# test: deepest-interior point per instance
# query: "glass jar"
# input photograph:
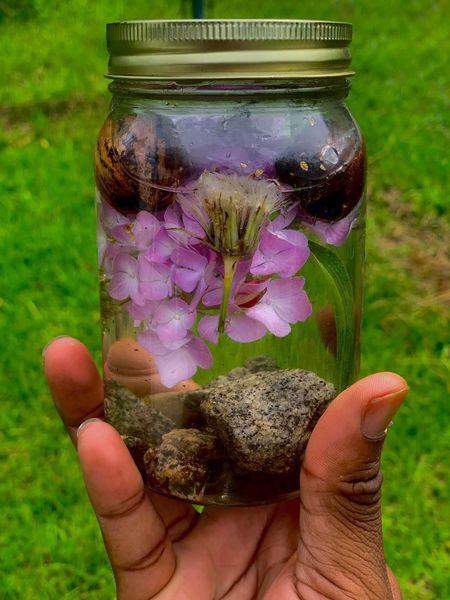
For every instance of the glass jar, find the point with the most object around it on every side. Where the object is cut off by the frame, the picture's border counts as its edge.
(230, 178)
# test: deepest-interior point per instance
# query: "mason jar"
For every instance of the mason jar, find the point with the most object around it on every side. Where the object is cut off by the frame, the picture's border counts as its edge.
(230, 200)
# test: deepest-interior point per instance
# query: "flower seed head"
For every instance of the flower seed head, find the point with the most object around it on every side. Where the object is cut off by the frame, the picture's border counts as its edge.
(231, 209)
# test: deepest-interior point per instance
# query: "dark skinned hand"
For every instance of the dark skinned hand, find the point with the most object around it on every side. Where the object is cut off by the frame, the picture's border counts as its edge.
(325, 545)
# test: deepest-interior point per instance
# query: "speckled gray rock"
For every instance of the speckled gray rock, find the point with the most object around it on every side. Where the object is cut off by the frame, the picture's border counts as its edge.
(264, 419)
(180, 464)
(134, 416)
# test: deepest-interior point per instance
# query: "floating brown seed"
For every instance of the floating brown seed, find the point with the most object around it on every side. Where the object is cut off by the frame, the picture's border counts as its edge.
(134, 156)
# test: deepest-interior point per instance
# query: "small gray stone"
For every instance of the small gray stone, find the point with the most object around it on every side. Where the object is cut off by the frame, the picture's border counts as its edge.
(180, 464)
(261, 363)
(264, 419)
(134, 416)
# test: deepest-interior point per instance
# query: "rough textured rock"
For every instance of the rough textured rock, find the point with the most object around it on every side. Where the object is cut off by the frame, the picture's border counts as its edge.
(137, 449)
(133, 416)
(264, 419)
(180, 464)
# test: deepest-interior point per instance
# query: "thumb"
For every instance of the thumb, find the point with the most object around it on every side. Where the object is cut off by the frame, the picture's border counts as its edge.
(341, 548)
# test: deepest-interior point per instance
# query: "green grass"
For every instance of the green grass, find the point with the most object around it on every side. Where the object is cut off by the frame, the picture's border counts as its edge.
(54, 99)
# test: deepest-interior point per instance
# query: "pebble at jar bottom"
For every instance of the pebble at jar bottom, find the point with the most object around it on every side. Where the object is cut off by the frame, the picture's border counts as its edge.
(231, 245)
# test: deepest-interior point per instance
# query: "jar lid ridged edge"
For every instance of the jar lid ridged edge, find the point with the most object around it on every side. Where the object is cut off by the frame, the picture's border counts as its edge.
(228, 30)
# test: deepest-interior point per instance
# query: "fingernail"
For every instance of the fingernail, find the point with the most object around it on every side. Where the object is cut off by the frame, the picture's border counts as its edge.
(379, 413)
(86, 424)
(58, 337)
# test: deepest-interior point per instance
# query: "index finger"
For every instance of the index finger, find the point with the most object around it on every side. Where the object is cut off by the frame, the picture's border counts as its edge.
(74, 382)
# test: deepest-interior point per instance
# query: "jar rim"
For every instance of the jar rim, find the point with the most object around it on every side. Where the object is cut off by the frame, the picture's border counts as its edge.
(228, 49)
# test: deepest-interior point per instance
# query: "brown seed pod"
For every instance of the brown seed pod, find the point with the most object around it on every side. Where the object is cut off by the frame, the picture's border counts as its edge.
(325, 194)
(133, 153)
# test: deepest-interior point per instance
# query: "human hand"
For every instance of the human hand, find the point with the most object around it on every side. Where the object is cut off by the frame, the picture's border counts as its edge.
(325, 545)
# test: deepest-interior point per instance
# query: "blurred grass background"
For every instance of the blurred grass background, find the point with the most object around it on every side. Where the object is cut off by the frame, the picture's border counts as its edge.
(52, 100)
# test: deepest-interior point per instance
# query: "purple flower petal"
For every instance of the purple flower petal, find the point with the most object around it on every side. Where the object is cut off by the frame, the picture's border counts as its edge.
(180, 360)
(145, 313)
(208, 328)
(282, 251)
(151, 342)
(242, 328)
(284, 303)
(110, 252)
(162, 247)
(337, 233)
(155, 279)
(125, 280)
(189, 268)
(173, 320)
(239, 327)
(110, 218)
(193, 228)
(145, 229)
(213, 294)
(199, 352)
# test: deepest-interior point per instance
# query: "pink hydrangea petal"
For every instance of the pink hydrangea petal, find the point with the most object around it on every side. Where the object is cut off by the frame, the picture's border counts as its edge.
(184, 257)
(173, 319)
(125, 235)
(110, 217)
(155, 279)
(208, 328)
(176, 367)
(180, 361)
(162, 247)
(145, 313)
(109, 254)
(151, 342)
(288, 299)
(146, 228)
(192, 226)
(199, 352)
(213, 294)
(186, 279)
(242, 328)
(335, 234)
(189, 268)
(124, 281)
(283, 220)
(284, 302)
(283, 252)
(266, 314)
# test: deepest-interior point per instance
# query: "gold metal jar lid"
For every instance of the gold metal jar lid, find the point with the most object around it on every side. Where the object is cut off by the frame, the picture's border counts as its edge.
(228, 49)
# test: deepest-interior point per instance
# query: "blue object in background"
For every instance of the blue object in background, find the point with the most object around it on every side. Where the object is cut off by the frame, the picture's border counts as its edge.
(197, 9)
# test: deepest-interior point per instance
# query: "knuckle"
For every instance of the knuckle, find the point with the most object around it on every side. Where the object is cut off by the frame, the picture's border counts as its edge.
(363, 486)
(149, 559)
(125, 507)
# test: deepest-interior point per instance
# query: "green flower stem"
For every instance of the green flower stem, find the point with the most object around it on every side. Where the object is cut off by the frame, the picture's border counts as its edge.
(229, 268)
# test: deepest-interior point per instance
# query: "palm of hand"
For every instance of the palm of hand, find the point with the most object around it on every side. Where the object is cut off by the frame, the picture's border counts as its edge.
(228, 553)
(327, 544)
